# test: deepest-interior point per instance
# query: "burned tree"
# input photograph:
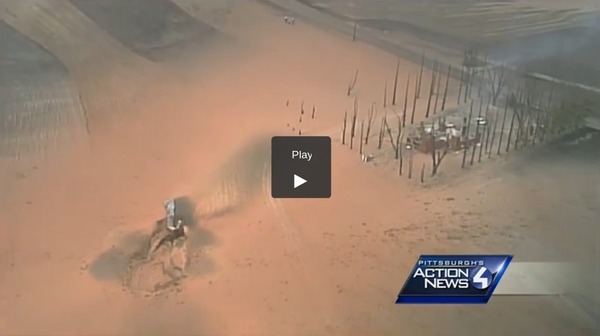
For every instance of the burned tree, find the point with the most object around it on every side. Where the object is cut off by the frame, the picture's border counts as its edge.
(431, 88)
(461, 84)
(352, 83)
(353, 126)
(466, 136)
(381, 132)
(396, 83)
(437, 89)
(446, 87)
(414, 106)
(437, 155)
(502, 127)
(372, 115)
(477, 134)
(344, 127)
(418, 91)
(405, 101)
(497, 77)
(385, 94)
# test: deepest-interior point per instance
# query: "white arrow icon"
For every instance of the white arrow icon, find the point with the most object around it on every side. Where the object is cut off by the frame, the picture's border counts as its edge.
(298, 181)
(481, 279)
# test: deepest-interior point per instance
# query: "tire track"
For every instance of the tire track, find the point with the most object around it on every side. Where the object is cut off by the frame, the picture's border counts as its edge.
(295, 242)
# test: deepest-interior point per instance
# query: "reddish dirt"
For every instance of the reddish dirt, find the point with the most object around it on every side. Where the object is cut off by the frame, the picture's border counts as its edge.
(296, 267)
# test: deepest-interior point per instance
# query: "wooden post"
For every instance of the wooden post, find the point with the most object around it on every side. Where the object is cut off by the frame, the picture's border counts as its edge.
(396, 83)
(466, 144)
(423, 173)
(418, 92)
(446, 87)
(312, 116)
(502, 127)
(431, 88)
(354, 32)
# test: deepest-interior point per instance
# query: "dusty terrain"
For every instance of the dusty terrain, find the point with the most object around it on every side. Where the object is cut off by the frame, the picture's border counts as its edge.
(137, 126)
(557, 38)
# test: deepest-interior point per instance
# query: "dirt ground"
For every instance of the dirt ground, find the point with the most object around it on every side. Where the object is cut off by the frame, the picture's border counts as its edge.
(69, 217)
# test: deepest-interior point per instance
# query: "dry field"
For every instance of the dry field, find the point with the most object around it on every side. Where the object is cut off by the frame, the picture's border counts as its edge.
(557, 38)
(178, 119)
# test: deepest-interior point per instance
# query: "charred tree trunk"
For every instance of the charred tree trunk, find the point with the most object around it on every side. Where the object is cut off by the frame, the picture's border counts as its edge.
(405, 101)
(460, 87)
(502, 127)
(446, 87)
(431, 88)
(344, 127)
(396, 83)
(419, 80)
(466, 142)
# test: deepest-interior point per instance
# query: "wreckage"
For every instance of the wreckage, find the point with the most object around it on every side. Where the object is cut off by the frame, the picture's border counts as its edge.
(160, 264)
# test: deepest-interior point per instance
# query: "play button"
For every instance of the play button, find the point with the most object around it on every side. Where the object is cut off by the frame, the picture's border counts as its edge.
(298, 181)
(300, 167)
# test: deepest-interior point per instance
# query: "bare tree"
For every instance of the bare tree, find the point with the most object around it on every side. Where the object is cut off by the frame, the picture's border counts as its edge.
(381, 132)
(431, 88)
(446, 87)
(362, 128)
(502, 127)
(466, 141)
(497, 77)
(353, 126)
(438, 156)
(510, 131)
(353, 83)
(437, 89)
(414, 106)
(481, 76)
(394, 144)
(344, 127)
(477, 135)
(385, 94)
(494, 131)
(396, 82)
(410, 162)
(405, 101)
(400, 142)
(370, 119)
(460, 87)
(418, 91)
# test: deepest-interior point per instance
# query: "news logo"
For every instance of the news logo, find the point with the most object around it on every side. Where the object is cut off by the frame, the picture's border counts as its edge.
(453, 279)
